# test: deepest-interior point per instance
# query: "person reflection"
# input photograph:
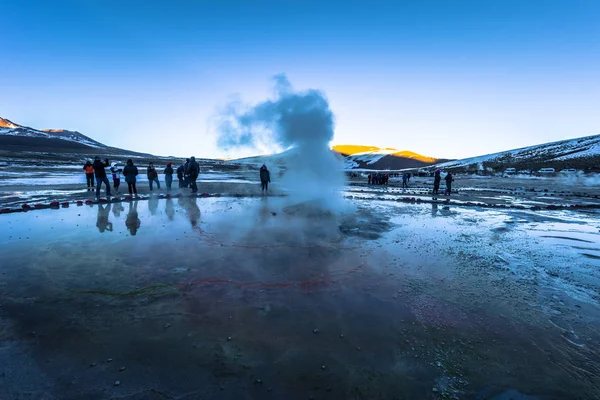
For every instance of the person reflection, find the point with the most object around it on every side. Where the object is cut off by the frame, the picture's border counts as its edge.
(133, 222)
(117, 208)
(192, 210)
(102, 222)
(169, 209)
(434, 209)
(153, 204)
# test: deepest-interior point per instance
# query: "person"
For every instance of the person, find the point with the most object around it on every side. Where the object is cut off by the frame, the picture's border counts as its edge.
(101, 176)
(193, 170)
(132, 221)
(449, 179)
(186, 174)
(180, 170)
(130, 172)
(369, 179)
(408, 175)
(116, 175)
(169, 176)
(88, 168)
(436, 181)
(265, 179)
(404, 180)
(152, 176)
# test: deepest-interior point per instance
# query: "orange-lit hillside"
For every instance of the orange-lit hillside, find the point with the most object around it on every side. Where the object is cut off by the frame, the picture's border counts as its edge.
(350, 149)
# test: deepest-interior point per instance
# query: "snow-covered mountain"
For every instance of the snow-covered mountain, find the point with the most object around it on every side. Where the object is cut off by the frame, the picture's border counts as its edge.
(371, 157)
(9, 128)
(578, 153)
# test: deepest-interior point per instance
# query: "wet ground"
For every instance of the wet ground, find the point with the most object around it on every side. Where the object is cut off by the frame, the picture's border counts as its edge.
(239, 298)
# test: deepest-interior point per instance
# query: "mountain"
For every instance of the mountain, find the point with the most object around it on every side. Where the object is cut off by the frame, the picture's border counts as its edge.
(581, 153)
(375, 158)
(356, 157)
(18, 133)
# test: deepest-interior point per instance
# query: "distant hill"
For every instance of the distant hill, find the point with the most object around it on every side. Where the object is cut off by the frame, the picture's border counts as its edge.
(581, 153)
(15, 138)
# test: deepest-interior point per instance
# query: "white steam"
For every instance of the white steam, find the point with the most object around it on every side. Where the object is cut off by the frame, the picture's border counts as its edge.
(298, 121)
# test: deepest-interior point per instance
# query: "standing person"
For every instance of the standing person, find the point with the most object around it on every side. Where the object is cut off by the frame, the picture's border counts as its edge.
(116, 175)
(152, 176)
(169, 176)
(265, 179)
(193, 170)
(88, 168)
(404, 180)
(180, 171)
(186, 173)
(436, 181)
(101, 175)
(449, 179)
(369, 179)
(130, 172)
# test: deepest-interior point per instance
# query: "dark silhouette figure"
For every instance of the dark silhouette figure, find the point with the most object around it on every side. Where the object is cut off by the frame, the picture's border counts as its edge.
(169, 176)
(265, 179)
(101, 175)
(193, 170)
(436, 181)
(130, 172)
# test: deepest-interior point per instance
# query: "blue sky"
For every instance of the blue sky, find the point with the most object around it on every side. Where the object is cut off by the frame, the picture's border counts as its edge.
(442, 78)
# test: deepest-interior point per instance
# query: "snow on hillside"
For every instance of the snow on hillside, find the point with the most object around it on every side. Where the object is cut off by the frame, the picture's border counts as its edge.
(588, 146)
(8, 128)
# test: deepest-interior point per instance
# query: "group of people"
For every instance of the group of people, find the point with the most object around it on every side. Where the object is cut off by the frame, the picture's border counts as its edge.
(383, 179)
(95, 173)
(187, 174)
(378, 179)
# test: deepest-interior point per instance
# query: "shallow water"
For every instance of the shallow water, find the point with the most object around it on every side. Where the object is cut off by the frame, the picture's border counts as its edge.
(220, 298)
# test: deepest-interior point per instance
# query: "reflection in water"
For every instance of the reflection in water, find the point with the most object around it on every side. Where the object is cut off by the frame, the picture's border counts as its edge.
(153, 204)
(102, 222)
(117, 208)
(169, 209)
(133, 222)
(434, 209)
(191, 209)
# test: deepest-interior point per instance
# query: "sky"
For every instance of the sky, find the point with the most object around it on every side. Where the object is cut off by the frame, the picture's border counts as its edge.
(448, 79)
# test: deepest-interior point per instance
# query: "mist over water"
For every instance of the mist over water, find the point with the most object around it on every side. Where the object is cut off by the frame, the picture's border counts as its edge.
(300, 122)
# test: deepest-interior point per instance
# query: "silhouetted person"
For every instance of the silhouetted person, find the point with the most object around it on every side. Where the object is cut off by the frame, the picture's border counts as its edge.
(169, 176)
(88, 168)
(265, 179)
(449, 179)
(404, 181)
(101, 175)
(193, 171)
(152, 176)
(133, 221)
(186, 173)
(102, 222)
(116, 175)
(131, 172)
(437, 178)
(180, 175)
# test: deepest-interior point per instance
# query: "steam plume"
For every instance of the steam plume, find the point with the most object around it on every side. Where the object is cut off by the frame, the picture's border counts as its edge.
(298, 120)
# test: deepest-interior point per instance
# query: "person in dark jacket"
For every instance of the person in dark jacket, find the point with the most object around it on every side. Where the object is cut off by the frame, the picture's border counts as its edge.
(101, 175)
(130, 172)
(193, 170)
(405, 181)
(152, 176)
(449, 179)
(437, 178)
(265, 179)
(186, 174)
(88, 168)
(180, 171)
(169, 176)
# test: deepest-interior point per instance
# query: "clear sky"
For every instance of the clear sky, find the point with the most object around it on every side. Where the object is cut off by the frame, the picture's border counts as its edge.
(439, 77)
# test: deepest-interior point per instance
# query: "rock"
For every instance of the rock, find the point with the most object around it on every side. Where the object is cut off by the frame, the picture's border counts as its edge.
(109, 360)
(323, 367)
(93, 364)
(315, 331)
(122, 369)
(117, 383)
(341, 336)
(167, 325)
(228, 338)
